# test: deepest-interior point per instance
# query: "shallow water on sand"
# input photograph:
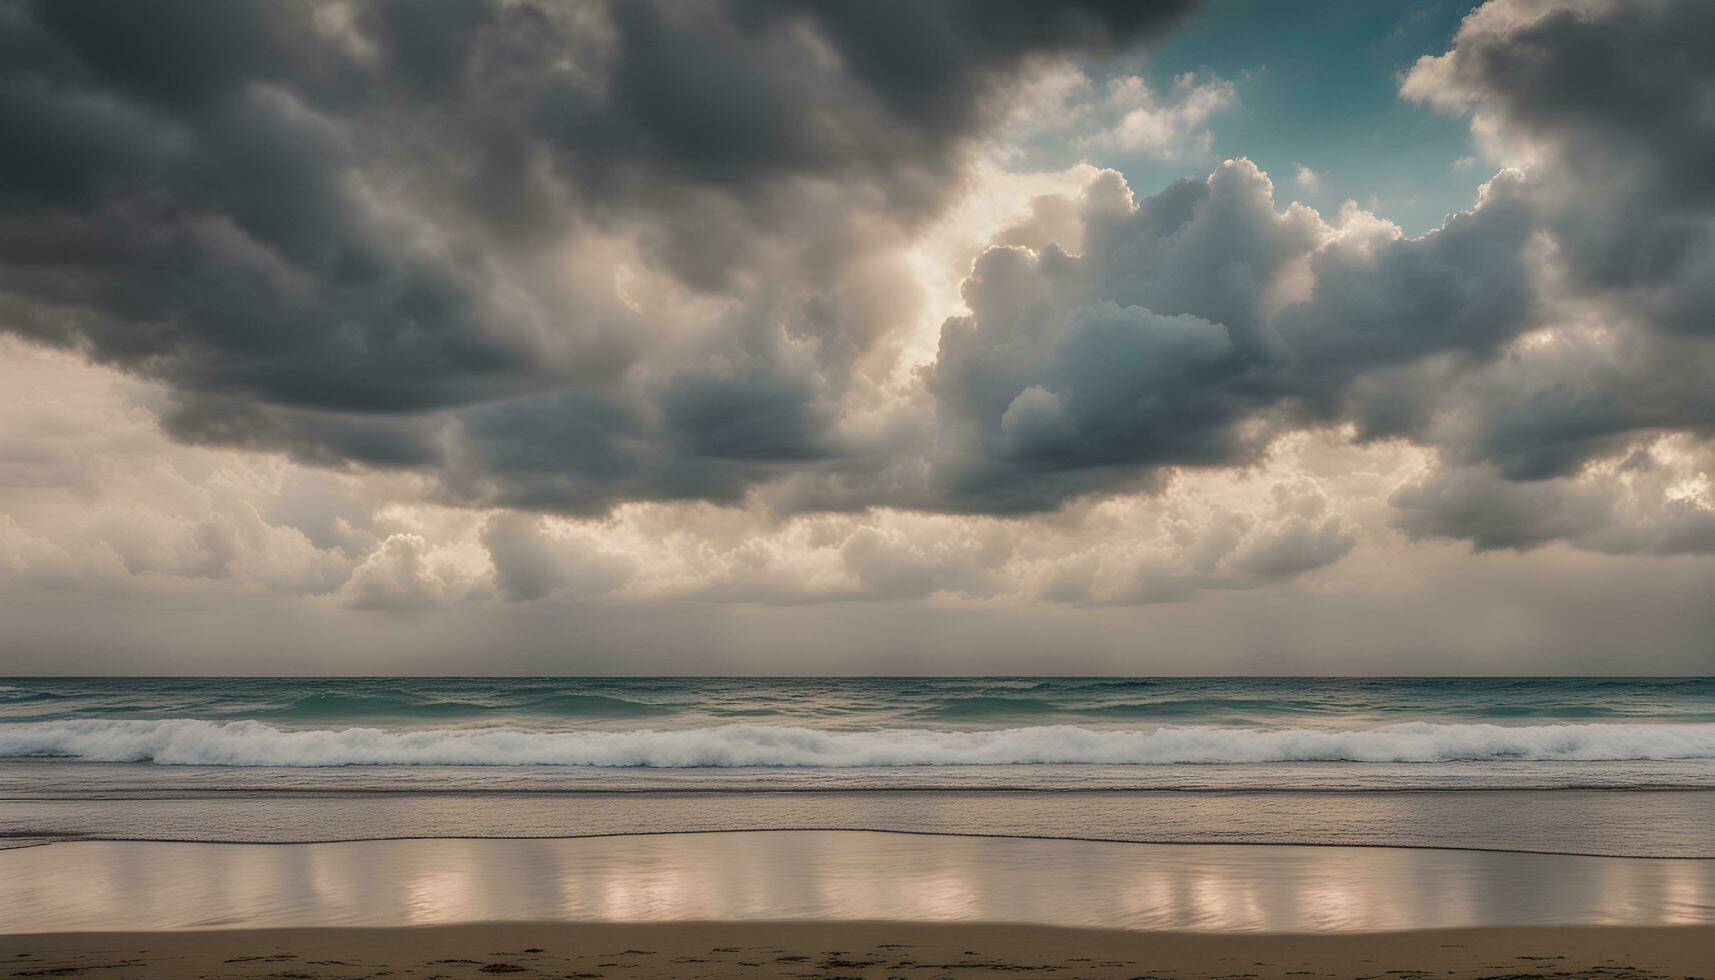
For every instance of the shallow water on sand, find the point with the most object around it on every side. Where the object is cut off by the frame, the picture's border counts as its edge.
(834, 875)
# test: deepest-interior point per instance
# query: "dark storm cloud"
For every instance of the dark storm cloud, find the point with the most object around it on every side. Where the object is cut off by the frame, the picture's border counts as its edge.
(1175, 339)
(1378, 302)
(562, 256)
(1157, 348)
(322, 223)
(191, 219)
(1618, 98)
(314, 436)
(740, 94)
(1052, 389)
(1073, 372)
(1610, 104)
(1607, 515)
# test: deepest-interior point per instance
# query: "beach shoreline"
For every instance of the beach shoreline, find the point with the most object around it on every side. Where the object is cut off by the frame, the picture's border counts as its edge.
(855, 949)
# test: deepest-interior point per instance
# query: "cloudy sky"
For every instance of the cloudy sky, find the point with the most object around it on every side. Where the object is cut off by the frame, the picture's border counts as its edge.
(967, 336)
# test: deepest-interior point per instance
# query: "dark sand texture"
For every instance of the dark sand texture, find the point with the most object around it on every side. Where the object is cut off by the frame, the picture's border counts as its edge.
(856, 949)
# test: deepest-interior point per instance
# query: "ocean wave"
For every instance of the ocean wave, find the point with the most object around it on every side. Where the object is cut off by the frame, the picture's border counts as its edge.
(1003, 705)
(1106, 683)
(327, 705)
(252, 743)
(19, 695)
(982, 705)
(597, 704)
(1194, 707)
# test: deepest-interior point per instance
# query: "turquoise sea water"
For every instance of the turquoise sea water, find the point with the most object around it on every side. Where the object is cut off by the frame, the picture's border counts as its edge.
(1585, 765)
(862, 703)
(711, 723)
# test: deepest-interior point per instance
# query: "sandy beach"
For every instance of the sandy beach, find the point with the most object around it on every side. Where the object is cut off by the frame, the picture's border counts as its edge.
(855, 949)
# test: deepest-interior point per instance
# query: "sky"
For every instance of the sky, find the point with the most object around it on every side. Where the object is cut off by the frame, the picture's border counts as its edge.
(964, 337)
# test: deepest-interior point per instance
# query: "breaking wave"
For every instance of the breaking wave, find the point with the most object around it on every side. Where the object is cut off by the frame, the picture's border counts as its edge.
(252, 743)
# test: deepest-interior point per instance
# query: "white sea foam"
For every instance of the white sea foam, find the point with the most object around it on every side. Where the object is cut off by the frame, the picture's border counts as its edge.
(250, 743)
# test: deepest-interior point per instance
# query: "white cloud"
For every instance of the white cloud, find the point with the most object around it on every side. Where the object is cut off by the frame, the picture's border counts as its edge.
(1124, 113)
(405, 574)
(1169, 126)
(93, 494)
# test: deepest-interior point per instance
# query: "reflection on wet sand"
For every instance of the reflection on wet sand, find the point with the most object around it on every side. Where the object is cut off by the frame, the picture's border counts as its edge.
(834, 875)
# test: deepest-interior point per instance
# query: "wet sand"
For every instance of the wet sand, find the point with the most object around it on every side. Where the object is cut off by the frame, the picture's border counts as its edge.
(824, 876)
(856, 949)
(130, 802)
(841, 904)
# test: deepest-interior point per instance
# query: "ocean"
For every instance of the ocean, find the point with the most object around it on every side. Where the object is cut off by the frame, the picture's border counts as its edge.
(1595, 766)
